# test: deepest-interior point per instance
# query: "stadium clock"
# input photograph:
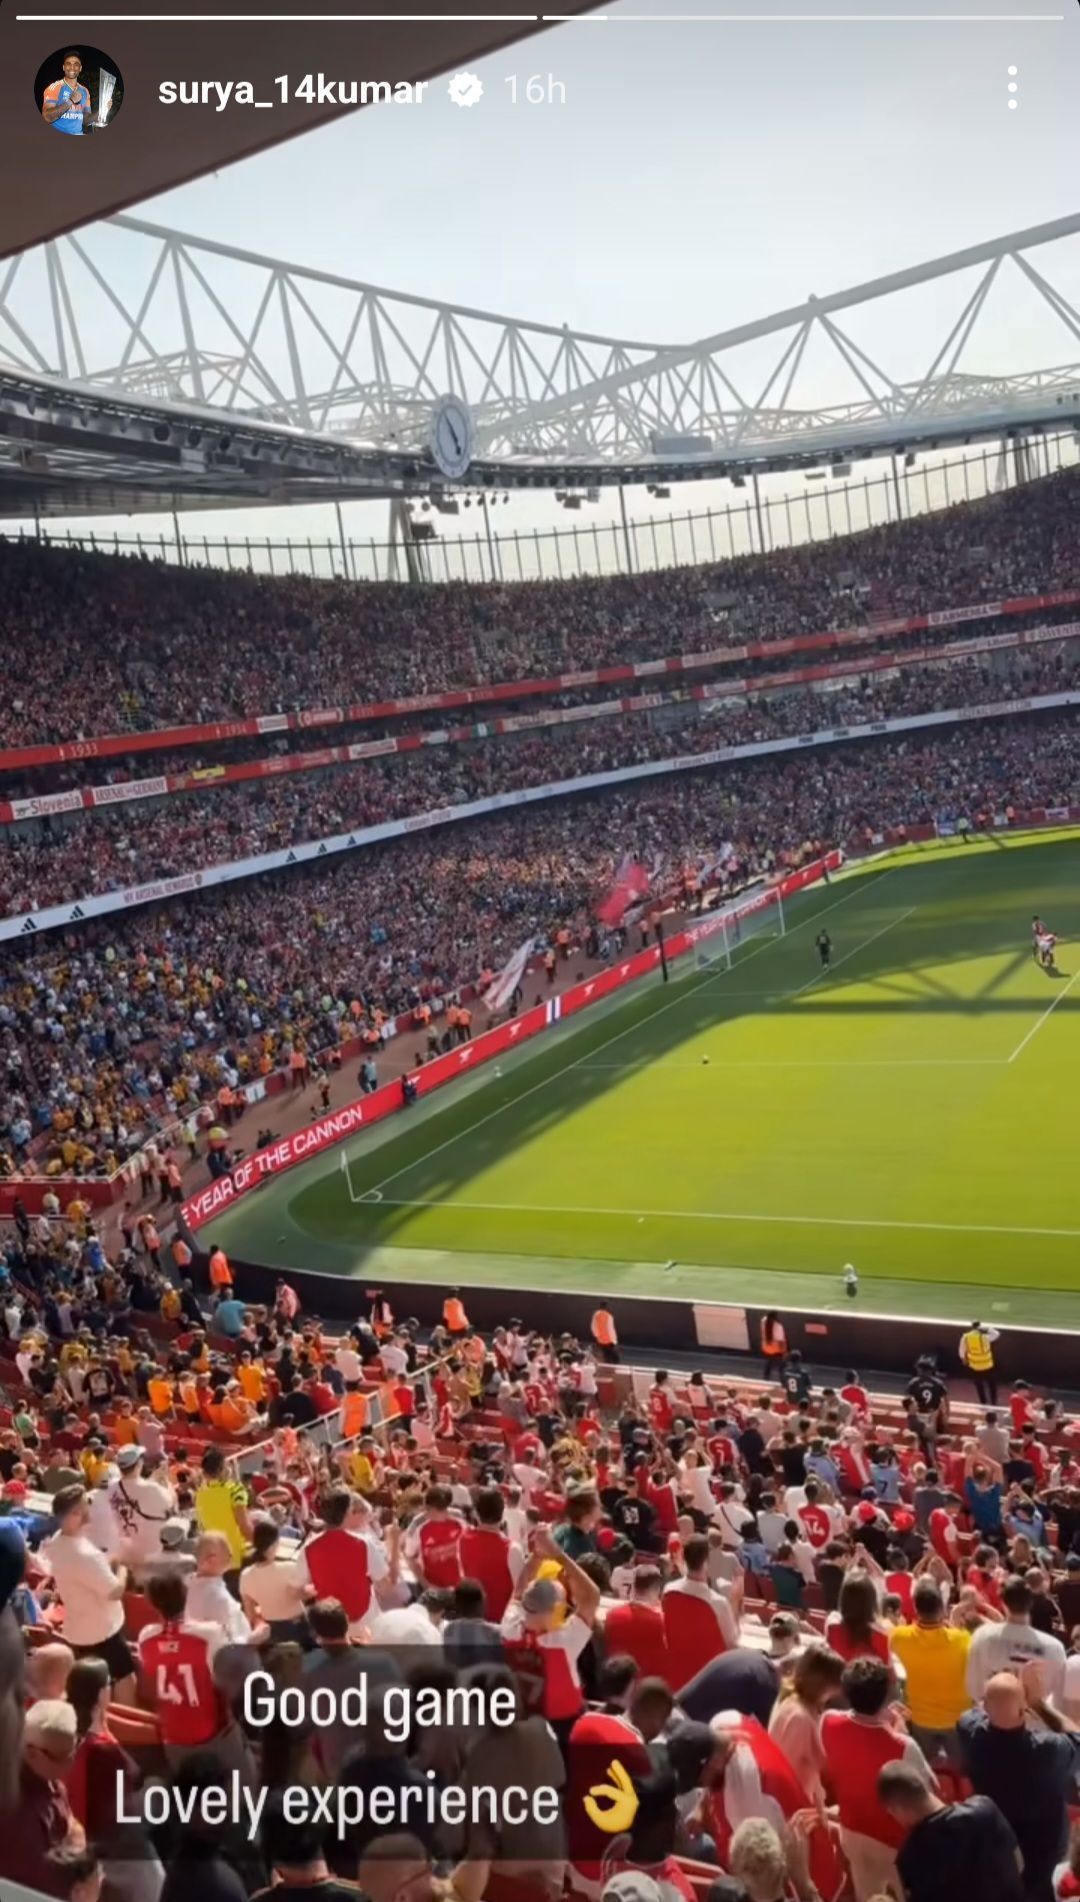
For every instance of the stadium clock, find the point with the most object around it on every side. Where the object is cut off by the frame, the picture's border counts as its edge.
(451, 437)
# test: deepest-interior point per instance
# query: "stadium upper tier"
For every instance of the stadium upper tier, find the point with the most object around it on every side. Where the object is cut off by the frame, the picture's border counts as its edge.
(111, 1030)
(108, 646)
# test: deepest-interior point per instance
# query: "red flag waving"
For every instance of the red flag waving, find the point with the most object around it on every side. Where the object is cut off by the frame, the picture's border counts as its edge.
(631, 884)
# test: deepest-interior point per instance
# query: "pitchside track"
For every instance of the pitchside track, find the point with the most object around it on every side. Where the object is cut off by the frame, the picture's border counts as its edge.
(911, 1111)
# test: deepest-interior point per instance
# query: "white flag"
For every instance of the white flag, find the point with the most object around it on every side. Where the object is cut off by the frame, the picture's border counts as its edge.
(502, 988)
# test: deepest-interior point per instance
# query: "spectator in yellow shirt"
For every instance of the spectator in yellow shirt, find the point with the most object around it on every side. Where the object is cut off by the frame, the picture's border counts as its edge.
(93, 1462)
(934, 1656)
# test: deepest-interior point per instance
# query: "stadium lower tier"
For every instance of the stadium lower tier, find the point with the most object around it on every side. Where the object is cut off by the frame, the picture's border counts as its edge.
(115, 1029)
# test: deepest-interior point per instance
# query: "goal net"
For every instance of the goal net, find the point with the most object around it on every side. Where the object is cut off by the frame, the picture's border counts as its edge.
(718, 938)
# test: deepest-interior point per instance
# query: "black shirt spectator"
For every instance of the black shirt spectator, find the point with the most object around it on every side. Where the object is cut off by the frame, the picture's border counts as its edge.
(752, 1449)
(793, 1464)
(739, 1680)
(961, 1849)
(1028, 1774)
(927, 1391)
(295, 1408)
(635, 1519)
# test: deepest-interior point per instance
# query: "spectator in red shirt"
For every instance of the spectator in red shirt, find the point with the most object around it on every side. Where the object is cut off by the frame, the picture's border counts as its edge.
(660, 1405)
(853, 1630)
(488, 1556)
(636, 1629)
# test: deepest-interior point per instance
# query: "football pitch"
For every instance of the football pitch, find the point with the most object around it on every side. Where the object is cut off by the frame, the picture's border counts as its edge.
(910, 1110)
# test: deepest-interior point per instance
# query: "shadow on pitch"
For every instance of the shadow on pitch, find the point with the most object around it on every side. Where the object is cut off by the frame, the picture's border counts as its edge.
(439, 1152)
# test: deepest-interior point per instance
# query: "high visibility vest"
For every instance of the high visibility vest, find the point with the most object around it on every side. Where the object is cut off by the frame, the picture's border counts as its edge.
(355, 1413)
(603, 1328)
(977, 1352)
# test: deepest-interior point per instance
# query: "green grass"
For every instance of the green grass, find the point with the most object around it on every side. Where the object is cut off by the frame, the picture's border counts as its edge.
(912, 1111)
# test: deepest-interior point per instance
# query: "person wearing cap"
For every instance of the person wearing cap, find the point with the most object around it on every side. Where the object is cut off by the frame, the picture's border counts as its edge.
(542, 1649)
(175, 1556)
(141, 1506)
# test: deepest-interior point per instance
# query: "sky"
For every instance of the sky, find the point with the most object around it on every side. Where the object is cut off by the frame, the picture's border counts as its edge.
(698, 174)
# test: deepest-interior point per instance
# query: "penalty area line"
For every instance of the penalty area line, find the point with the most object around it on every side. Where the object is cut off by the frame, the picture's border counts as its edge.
(1048, 1012)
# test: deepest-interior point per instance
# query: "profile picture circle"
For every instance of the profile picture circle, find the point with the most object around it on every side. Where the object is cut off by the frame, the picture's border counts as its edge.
(78, 90)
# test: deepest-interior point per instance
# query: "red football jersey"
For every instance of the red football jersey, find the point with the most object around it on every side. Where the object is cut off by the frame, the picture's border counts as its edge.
(177, 1660)
(439, 1540)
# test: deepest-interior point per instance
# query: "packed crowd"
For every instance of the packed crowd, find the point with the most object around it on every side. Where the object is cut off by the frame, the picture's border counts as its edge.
(156, 645)
(140, 1018)
(760, 1639)
(46, 862)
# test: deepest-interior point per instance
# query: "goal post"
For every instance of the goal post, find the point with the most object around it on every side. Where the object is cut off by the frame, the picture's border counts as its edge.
(720, 936)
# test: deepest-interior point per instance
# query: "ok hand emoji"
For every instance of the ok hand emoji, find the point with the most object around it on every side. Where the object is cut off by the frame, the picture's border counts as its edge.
(620, 1803)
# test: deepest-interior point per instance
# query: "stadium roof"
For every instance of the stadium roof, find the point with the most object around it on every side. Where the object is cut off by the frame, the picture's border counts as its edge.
(54, 195)
(231, 377)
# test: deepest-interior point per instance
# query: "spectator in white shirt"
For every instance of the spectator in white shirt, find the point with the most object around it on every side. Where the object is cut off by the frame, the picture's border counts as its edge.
(272, 1587)
(92, 1591)
(209, 1600)
(394, 1358)
(140, 1506)
(348, 1363)
(771, 1523)
(695, 1484)
(1014, 1644)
